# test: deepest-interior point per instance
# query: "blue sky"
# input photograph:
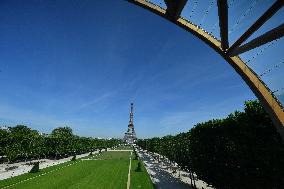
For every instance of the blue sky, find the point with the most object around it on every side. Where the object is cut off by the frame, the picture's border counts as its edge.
(81, 63)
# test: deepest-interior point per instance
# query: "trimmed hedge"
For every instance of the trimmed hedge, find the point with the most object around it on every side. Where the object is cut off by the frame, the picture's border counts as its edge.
(35, 168)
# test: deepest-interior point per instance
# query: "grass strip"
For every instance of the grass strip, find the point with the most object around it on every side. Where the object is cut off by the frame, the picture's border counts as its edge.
(141, 179)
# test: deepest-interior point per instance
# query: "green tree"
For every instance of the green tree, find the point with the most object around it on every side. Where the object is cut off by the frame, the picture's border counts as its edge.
(243, 150)
(4, 135)
(62, 132)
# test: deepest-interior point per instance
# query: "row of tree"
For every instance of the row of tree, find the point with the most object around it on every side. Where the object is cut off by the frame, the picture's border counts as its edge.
(21, 143)
(243, 150)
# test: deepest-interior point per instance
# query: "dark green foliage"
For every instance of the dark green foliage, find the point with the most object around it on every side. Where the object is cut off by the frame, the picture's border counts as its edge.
(22, 143)
(73, 158)
(243, 150)
(35, 168)
(135, 155)
(139, 168)
(60, 132)
(3, 141)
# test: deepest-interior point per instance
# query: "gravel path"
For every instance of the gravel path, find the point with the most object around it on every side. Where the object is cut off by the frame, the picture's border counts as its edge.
(163, 177)
(25, 167)
(160, 176)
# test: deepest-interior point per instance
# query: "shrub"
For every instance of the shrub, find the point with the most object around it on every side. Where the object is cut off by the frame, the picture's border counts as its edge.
(73, 158)
(139, 169)
(135, 155)
(35, 168)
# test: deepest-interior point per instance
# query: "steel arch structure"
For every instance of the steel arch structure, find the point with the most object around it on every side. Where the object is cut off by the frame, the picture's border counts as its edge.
(230, 53)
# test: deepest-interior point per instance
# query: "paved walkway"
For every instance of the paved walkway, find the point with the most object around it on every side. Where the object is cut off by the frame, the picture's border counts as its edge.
(163, 177)
(160, 176)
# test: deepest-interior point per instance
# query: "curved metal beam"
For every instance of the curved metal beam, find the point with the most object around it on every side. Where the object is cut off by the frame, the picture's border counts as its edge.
(262, 92)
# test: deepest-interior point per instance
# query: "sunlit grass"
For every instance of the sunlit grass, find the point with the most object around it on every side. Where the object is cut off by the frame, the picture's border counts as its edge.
(124, 147)
(104, 170)
(140, 179)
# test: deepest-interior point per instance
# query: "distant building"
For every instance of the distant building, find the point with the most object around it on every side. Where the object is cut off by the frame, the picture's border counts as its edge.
(43, 134)
(5, 128)
(130, 135)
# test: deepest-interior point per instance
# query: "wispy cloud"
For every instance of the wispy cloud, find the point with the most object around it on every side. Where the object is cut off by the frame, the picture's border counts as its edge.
(182, 121)
(11, 115)
(174, 122)
(100, 99)
(14, 115)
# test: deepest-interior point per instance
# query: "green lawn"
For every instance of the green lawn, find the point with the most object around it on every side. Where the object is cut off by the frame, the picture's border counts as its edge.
(107, 170)
(16, 179)
(124, 147)
(140, 179)
(112, 155)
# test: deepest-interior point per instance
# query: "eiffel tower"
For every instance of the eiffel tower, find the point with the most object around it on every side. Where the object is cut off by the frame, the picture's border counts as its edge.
(130, 136)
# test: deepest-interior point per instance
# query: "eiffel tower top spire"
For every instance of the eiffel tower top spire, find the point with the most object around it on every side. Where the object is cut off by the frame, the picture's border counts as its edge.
(131, 115)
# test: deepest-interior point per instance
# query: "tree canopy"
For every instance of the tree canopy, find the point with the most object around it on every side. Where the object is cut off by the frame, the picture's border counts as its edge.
(20, 143)
(242, 150)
